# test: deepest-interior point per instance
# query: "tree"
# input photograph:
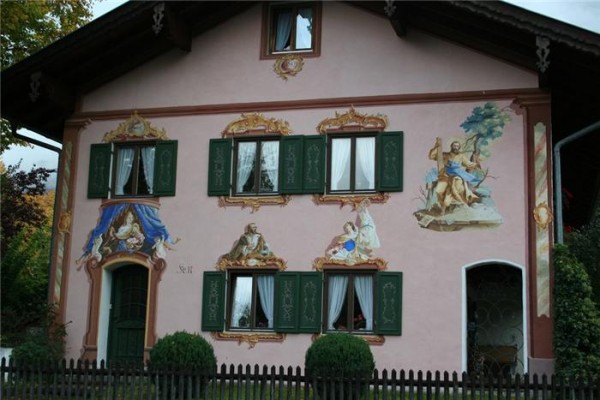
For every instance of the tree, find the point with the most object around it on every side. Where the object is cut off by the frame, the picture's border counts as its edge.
(27, 211)
(21, 207)
(28, 26)
(576, 319)
(585, 246)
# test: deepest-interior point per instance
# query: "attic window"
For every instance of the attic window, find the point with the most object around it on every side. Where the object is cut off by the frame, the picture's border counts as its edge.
(291, 28)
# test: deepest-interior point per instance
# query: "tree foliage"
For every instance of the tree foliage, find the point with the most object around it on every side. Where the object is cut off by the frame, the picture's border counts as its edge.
(21, 207)
(576, 319)
(28, 26)
(26, 237)
(584, 243)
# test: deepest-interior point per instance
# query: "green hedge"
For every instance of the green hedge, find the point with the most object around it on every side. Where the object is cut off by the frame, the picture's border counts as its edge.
(576, 319)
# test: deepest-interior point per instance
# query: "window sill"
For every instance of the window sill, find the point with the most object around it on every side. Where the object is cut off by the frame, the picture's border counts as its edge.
(350, 199)
(252, 338)
(253, 202)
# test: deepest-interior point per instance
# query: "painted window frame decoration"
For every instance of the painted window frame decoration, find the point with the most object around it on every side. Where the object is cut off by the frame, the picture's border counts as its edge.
(303, 160)
(308, 16)
(250, 255)
(454, 196)
(134, 134)
(388, 156)
(250, 127)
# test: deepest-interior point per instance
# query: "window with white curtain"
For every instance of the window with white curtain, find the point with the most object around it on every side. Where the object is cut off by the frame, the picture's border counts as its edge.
(351, 163)
(252, 297)
(133, 172)
(257, 167)
(349, 302)
(292, 27)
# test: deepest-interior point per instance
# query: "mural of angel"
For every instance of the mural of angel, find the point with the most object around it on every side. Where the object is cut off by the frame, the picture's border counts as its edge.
(454, 194)
(357, 242)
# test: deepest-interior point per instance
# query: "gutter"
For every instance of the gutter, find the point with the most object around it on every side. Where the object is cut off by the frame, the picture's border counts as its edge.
(558, 206)
(35, 141)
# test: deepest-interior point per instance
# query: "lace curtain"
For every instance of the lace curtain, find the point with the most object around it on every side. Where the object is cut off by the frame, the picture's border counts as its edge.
(266, 292)
(245, 164)
(340, 157)
(338, 284)
(363, 287)
(148, 165)
(365, 153)
(124, 166)
(270, 163)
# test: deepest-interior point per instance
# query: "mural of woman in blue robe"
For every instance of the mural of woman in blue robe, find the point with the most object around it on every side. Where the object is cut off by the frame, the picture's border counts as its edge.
(128, 228)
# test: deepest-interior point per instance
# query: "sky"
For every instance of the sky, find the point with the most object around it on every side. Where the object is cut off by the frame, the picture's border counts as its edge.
(584, 14)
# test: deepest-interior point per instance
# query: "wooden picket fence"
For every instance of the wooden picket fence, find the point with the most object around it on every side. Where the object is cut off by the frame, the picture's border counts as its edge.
(85, 380)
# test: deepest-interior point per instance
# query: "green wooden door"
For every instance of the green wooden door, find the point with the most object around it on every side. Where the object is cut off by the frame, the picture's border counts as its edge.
(128, 314)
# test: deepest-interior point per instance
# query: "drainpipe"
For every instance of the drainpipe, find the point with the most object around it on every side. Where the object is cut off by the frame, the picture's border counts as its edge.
(557, 175)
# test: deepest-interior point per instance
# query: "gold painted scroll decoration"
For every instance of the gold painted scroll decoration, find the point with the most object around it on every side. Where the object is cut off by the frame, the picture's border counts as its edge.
(542, 214)
(353, 119)
(251, 338)
(254, 202)
(353, 200)
(135, 128)
(288, 65)
(321, 263)
(256, 123)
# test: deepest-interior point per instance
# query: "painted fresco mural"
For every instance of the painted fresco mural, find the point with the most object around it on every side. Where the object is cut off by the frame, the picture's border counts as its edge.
(356, 244)
(250, 250)
(455, 195)
(130, 228)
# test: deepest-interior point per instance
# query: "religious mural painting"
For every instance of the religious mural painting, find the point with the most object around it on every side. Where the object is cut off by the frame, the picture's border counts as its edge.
(250, 250)
(455, 195)
(356, 244)
(129, 228)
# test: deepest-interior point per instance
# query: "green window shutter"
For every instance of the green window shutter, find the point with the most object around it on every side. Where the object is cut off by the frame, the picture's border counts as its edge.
(213, 301)
(313, 170)
(298, 301)
(165, 168)
(99, 173)
(219, 167)
(389, 303)
(290, 164)
(390, 158)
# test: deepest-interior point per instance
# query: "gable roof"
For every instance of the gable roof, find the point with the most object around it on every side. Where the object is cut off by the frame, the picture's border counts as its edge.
(41, 92)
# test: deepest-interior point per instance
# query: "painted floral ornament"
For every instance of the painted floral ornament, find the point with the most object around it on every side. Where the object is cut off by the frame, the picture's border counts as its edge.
(288, 65)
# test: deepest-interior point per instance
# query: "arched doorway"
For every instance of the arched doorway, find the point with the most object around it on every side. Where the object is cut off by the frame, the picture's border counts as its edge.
(127, 317)
(495, 319)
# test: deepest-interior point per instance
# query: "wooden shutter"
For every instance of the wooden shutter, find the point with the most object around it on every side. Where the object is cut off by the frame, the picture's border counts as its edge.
(313, 170)
(390, 158)
(99, 172)
(389, 303)
(219, 167)
(165, 168)
(213, 301)
(290, 164)
(298, 301)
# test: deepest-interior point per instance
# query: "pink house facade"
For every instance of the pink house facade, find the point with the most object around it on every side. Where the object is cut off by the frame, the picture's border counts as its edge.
(305, 170)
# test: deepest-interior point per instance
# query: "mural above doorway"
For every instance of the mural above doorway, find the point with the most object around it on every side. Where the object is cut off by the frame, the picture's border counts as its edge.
(128, 228)
(455, 196)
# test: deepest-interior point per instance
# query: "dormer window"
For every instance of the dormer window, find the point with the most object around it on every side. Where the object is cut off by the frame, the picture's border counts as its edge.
(291, 28)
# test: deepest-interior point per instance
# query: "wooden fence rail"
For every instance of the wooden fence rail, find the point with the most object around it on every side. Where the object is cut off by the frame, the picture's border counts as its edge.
(90, 380)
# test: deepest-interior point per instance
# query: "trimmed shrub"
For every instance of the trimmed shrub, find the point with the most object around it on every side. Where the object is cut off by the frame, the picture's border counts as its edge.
(183, 352)
(343, 358)
(43, 345)
(576, 319)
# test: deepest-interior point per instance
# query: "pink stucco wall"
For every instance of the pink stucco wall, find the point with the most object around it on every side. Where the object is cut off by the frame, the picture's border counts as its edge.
(361, 56)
